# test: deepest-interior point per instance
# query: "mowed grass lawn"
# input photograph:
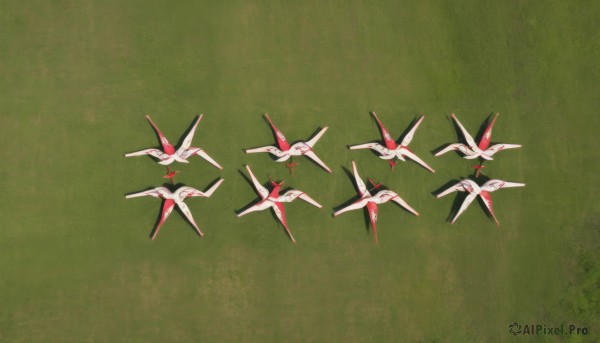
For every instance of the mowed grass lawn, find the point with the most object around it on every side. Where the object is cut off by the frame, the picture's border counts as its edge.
(78, 77)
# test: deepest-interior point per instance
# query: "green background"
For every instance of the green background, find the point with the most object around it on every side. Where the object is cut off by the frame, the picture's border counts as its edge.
(76, 263)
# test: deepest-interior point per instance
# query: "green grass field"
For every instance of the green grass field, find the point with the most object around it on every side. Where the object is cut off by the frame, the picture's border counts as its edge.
(78, 77)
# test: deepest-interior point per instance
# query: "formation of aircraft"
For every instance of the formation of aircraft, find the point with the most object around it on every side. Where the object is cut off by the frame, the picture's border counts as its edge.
(392, 150)
(475, 190)
(168, 154)
(275, 201)
(170, 199)
(473, 150)
(371, 201)
(284, 150)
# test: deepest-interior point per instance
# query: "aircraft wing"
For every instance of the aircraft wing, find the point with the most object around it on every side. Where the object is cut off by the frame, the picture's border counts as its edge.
(158, 192)
(385, 135)
(495, 184)
(262, 191)
(360, 185)
(166, 210)
(393, 196)
(499, 147)
(280, 213)
(314, 157)
(293, 194)
(185, 154)
(281, 141)
(462, 186)
(188, 214)
(468, 200)
(269, 149)
(358, 204)
(409, 136)
(487, 135)
(167, 147)
(213, 188)
(470, 141)
(156, 153)
(311, 142)
(187, 192)
(187, 142)
(414, 157)
(487, 200)
(384, 152)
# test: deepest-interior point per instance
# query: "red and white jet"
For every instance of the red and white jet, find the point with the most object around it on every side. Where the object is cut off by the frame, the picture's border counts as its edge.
(284, 151)
(168, 154)
(393, 150)
(474, 190)
(175, 198)
(472, 150)
(275, 201)
(371, 201)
